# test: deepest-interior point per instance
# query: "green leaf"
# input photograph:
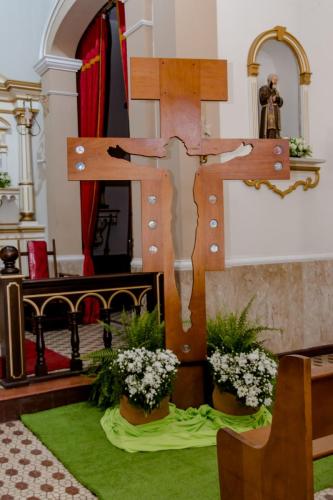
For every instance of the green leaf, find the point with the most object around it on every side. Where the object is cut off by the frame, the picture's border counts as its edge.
(145, 330)
(231, 332)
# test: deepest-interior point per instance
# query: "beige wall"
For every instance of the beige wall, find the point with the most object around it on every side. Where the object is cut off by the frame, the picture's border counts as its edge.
(296, 297)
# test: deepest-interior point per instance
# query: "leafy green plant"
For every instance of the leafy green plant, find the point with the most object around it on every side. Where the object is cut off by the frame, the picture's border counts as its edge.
(235, 332)
(138, 331)
(298, 148)
(144, 330)
(240, 364)
(4, 180)
(105, 390)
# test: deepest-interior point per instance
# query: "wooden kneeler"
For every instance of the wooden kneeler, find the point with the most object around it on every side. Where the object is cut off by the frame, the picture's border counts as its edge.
(275, 462)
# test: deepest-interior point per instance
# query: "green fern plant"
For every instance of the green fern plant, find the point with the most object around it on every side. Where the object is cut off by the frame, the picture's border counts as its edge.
(138, 331)
(144, 330)
(105, 390)
(102, 355)
(235, 332)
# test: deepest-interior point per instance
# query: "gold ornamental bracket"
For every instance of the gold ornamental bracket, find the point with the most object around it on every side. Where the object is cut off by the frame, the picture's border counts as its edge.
(311, 165)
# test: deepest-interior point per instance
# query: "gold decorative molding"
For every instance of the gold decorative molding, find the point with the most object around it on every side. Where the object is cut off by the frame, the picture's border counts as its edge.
(74, 302)
(9, 85)
(56, 297)
(17, 229)
(280, 34)
(27, 216)
(297, 165)
(253, 69)
(78, 292)
(19, 114)
(305, 78)
(10, 276)
(13, 93)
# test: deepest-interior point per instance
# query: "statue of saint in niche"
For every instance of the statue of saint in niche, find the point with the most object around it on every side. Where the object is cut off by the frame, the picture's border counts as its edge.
(271, 102)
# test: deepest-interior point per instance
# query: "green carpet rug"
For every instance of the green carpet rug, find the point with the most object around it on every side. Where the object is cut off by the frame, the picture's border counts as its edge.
(74, 435)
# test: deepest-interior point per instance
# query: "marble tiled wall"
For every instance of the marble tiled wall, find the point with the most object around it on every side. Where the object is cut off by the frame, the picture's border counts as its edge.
(297, 297)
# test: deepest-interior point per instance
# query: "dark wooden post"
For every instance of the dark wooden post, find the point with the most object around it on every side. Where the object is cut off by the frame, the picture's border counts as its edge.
(11, 320)
(76, 362)
(155, 296)
(137, 309)
(107, 334)
(41, 366)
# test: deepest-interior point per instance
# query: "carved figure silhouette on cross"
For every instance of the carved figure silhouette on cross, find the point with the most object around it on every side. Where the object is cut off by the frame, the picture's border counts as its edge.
(180, 85)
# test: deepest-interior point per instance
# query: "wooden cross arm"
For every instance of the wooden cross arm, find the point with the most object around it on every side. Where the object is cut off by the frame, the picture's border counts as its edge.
(101, 145)
(94, 163)
(243, 159)
(216, 146)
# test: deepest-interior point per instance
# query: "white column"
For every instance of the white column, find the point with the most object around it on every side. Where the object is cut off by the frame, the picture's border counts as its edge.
(26, 184)
(60, 121)
(304, 105)
(253, 106)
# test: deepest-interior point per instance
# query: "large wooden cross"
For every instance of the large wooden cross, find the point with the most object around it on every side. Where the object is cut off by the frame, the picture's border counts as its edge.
(180, 85)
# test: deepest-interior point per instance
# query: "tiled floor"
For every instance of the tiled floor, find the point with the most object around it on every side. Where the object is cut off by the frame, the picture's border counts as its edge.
(29, 471)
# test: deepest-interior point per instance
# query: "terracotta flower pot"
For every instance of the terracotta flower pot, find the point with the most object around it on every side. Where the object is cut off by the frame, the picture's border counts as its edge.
(227, 403)
(137, 416)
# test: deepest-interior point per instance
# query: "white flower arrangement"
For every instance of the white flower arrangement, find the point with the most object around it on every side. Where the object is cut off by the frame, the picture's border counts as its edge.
(249, 376)
(146, 376)
(298, 148)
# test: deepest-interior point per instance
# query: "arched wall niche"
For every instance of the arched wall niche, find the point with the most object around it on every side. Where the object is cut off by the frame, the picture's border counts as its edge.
(279, 34)
(277, 58)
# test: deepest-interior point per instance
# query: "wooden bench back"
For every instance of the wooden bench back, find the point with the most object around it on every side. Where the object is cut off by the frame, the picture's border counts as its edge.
(273, 463)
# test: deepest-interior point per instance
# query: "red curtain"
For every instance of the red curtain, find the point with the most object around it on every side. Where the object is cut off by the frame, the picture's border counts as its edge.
(93, 50)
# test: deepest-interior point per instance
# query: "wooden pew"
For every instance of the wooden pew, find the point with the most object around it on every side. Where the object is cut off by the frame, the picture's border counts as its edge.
(275, 462)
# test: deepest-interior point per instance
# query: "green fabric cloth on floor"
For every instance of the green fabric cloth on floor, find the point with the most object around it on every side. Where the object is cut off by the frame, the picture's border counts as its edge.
(191, 428)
